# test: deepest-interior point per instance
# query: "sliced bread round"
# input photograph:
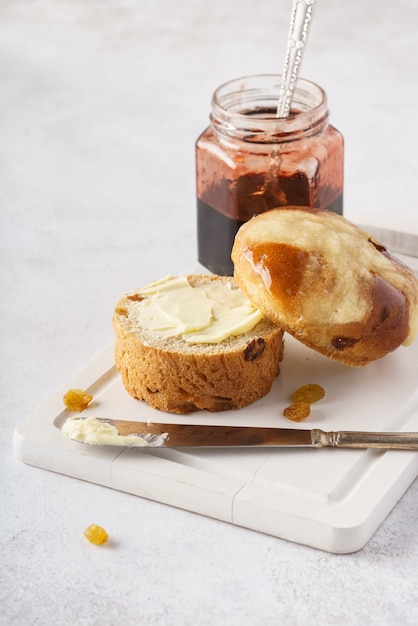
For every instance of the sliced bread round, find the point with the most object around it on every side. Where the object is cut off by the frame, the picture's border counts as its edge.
(179, 376)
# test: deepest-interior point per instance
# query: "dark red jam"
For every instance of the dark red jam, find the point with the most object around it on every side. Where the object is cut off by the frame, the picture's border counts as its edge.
(242, 199)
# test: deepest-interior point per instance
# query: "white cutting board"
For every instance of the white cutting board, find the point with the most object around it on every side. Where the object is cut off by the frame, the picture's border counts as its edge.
(330, 499)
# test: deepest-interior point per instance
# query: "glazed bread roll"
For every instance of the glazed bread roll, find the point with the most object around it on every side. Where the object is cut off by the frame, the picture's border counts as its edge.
(327, 283)
(226, 366)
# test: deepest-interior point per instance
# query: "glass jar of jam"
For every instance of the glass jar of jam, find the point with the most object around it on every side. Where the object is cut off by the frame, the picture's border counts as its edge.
(249, 160)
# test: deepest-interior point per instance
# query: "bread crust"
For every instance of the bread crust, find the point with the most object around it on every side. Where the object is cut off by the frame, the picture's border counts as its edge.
(327, 282)
(180, 378)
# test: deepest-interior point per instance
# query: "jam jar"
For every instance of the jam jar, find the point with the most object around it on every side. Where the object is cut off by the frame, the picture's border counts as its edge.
(249, 160)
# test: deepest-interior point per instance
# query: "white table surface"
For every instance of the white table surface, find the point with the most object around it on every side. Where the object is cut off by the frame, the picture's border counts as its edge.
(100, 105)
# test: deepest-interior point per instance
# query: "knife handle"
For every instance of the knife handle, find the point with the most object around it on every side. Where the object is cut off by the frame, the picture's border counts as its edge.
(358, 439)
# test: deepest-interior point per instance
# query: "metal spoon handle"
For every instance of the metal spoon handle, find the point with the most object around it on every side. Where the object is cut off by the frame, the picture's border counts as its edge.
(298, 33)
(355, 439)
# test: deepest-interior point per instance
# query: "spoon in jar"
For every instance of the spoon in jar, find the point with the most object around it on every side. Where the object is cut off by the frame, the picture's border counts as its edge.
(300, 21)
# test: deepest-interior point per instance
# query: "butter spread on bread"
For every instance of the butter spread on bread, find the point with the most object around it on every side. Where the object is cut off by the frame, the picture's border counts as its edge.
(210, 313)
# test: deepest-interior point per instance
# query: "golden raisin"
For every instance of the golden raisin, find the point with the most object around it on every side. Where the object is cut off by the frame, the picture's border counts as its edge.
(96, 534)
(309, 393)
(77, 400)
(297, 412)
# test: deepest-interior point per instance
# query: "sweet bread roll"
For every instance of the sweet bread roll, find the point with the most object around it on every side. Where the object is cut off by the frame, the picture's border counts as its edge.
(327, 283)
(195, 342)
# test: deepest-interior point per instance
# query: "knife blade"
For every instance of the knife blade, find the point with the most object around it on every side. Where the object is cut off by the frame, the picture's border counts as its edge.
(102, 431)
(395, 241)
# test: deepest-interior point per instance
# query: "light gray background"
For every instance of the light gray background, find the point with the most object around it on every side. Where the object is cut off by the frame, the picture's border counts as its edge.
(100, 105)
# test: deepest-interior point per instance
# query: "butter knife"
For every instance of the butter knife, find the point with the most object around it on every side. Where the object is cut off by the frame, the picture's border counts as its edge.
(101, 431)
